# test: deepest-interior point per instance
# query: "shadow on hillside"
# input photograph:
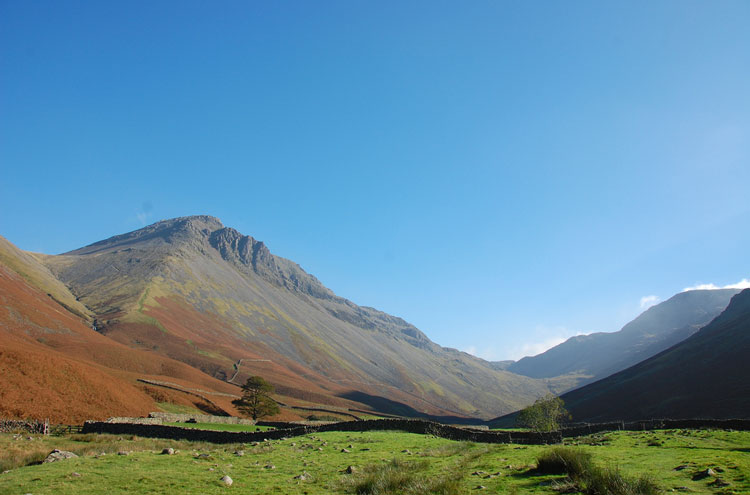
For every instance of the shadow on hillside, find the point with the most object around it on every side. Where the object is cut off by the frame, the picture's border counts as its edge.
(388, 406)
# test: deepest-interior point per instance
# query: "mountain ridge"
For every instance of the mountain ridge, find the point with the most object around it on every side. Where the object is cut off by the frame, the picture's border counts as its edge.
(597, 355)
(704, 376)
(253, 299)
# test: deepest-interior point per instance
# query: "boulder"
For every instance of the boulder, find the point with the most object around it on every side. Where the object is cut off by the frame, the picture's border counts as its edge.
(58, 455)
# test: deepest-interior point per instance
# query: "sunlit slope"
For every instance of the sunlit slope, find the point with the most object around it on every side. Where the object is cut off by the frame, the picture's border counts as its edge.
(54, 365)
(705, 376)
(36, 274)
(202, 293)
(587, 358)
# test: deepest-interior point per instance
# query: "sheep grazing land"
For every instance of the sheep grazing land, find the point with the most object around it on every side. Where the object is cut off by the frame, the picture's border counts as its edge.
(380, 462)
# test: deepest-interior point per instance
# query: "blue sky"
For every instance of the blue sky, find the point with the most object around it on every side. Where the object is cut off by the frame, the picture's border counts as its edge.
(501, 174)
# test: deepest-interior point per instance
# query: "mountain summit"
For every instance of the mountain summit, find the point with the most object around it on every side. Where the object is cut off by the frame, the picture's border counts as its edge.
(194, 290)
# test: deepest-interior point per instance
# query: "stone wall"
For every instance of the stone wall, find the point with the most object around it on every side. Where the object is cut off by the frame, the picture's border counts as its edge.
(577, 430)
(406, 425)
(28, 426)
(200, 418)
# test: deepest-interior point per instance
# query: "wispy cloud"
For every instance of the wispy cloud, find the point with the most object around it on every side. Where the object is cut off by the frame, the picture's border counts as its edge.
(742, 284)
(534, 348)
(648, 301)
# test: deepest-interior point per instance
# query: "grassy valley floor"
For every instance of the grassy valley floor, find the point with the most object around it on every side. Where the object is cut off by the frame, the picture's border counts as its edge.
(384, 462)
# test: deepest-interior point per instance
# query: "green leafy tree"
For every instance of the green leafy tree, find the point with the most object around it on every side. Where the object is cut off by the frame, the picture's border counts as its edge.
(256, 398)
(546, 414)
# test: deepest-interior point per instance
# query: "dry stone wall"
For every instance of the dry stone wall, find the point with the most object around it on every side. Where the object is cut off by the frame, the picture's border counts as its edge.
(199, 418)
(406, 425)
(28, 426)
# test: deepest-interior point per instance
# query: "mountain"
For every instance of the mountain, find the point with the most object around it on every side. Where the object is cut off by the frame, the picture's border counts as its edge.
(194, 291)
(587, 358)
(54, 365)
(705, 376)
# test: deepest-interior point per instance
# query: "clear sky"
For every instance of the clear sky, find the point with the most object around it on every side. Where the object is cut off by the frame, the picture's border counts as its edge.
(501, 174)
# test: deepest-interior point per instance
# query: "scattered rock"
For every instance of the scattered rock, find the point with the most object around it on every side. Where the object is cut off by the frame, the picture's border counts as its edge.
(718, 482)
(320, 448)
(123, 452)
(203, 456)
(350, 446)
(364, 450)
(168, 451)
(269, 466)
(239, 453)
(226, 480)
(405, 451)
(211, 469)
(681, 467)
(75, 475)
(704, 474)
(58, 455)
(480, 487)
(302, 477)
(350, 470)
(345, 451)
(680, 489)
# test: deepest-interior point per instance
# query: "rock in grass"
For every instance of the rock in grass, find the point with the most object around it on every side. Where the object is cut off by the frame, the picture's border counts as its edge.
(75, 475)
(168, 451)
(350, 470)
(302, 477)
(58, 455)
(704, 474)
(226, 480)
(718, 482)
(346, 451)
(269, 466)
(123, 452)
(239, 453)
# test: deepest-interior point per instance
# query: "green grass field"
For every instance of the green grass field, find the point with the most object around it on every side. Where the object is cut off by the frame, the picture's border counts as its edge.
(385, 462)
(219, 427)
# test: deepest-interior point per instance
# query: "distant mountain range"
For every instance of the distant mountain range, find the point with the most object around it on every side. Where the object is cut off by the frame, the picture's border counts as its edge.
(587, 358)
(705, 376)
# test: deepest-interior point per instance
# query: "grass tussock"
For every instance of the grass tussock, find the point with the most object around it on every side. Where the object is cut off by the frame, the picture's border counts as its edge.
(589, 478)
(404, 477)
(560, 460)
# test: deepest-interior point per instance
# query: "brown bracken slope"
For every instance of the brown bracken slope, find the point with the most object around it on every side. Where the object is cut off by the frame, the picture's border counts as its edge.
(54, 365)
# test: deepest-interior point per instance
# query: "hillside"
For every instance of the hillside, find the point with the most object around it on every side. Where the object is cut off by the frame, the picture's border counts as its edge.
(705, 376)
(586, 358)
(193, 290)
(54, 365)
